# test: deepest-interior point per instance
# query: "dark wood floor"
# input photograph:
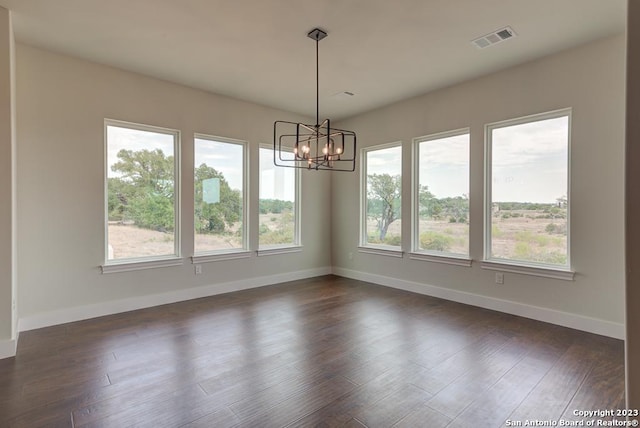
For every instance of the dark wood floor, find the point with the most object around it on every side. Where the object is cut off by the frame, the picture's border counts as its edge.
(322, 352)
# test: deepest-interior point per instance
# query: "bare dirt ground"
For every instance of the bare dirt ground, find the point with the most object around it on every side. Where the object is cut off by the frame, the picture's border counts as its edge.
(129, 241)
(507, 233)
(526, 230)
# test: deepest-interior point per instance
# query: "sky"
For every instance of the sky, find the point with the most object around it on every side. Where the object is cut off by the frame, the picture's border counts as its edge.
(444, 166)
(275, 182)
(530, 161)
(385, 161)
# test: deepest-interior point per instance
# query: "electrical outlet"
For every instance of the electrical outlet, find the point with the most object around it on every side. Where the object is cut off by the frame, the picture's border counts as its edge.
(198, 269)
(499, 278)
(350, 255)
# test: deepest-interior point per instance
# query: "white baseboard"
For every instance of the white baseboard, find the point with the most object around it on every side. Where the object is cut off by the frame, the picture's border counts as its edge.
(117, 306)
(8, 348)
(566, 319)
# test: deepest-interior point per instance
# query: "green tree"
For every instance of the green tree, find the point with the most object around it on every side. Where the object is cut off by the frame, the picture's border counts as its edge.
(428, 205)
(147, 170)
(456, 208)
(216, 217)
(144, 189)
(383, 200)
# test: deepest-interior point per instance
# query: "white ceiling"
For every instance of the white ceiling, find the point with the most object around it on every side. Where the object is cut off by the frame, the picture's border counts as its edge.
(381, 50)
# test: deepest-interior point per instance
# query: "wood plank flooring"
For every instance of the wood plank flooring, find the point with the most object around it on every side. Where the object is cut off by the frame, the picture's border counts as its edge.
(323, 352)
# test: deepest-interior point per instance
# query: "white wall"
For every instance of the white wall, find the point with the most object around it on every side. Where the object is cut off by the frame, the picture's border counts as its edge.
(7, 186)
(62, 102)
(590, 79)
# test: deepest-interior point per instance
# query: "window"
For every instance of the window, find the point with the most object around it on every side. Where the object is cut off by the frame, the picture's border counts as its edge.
(442, 194)
(219, 200)
(527, 209)
(142, 192)
(381, 196)
(279, 206)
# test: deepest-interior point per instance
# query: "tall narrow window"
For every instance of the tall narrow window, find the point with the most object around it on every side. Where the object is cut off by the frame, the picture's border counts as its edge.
(142, 191)
(279, 204)
(219, 204)
(442, 194)
(528, 190)
(382, 196)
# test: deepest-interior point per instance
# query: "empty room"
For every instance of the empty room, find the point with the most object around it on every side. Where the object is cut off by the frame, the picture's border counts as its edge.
(319, 213)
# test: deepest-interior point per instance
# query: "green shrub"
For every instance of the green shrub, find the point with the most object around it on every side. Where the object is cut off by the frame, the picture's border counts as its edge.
(523, 251)
(435, 241)
(394, 240)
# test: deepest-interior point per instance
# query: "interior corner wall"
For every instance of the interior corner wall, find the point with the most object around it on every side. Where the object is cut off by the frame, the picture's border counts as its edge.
(62, 103)
(7, 183)
(632, 343)
(590, 80)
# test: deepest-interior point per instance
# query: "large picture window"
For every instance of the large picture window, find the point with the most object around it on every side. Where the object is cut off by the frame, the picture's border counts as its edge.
(141, 192)
(527, 218)
(219, 200)
(279, 204)
(382, 196)
(442, 194)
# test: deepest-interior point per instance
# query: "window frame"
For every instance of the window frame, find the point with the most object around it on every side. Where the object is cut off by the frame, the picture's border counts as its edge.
(144, 262)
(548, 270)
(296, 245)
(233, 253)
(364, 246)
(433, 255)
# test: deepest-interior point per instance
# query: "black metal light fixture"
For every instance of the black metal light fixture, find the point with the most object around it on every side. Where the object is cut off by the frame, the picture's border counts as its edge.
(319, 146)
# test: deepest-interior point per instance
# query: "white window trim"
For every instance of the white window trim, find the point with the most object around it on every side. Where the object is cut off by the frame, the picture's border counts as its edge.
(128, 264)
(275, 250)
(296, 246)
(439, 257)
(517, 266)
(528, 269)
(375, 249)
(217, 254)
(381, 250)
(416, 252)
(221, 255)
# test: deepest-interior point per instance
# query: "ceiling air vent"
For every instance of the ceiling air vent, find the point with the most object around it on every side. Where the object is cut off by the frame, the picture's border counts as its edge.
(494, 37)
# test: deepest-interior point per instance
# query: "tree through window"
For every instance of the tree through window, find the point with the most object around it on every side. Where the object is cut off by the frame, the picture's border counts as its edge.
(382, 171)
(142, 189)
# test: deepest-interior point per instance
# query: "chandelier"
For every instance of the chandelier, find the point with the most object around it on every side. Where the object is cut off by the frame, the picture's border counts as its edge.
(319, 146)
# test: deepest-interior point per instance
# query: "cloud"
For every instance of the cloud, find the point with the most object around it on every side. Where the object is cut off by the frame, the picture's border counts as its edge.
(530, 143)
(445, 151)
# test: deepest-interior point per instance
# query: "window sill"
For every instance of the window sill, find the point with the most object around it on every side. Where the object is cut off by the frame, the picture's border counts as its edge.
(445, 258)
(272, 251)
(130, 265)
(220, 256)
(382, 251)
(546, 272)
